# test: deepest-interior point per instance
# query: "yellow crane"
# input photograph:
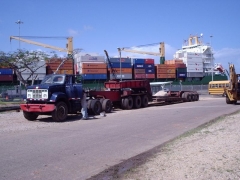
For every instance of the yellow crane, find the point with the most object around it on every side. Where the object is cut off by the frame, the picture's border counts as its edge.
(68, 49)
(161, 52)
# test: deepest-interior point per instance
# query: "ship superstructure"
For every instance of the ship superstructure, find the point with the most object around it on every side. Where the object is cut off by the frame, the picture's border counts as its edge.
(197, 56)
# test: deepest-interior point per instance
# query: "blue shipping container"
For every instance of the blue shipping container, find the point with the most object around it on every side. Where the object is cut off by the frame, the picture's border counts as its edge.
(94, 76)
(139, 66)
(150, 70)
(6, 71)
(117, 60)
(149, 66)
(181, 74)
(123, 65)
(138, 61)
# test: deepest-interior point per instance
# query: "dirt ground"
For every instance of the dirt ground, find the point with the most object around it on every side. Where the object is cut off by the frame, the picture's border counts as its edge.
(212, 152)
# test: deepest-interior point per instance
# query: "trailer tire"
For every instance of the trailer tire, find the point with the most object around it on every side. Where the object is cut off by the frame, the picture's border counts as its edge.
(144, 101)
(184, 96)
(107, 105)
(30, 116)
(197, 97)
(137, 102)
(128, 103)
(96, 106)
(194, 97)
(61, 111)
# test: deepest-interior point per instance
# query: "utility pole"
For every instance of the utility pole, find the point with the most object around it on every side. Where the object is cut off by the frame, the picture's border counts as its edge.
(19, 22)
(211, 55)
(120, 56)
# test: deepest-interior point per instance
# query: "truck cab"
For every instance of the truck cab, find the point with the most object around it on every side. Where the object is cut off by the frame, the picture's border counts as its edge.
(57, 95)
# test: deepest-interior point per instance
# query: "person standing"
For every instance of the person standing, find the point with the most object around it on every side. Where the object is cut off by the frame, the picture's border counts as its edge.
(84, 106)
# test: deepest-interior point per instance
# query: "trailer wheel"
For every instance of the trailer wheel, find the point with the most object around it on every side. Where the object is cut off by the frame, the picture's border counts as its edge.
(96, 106)
(188, 97)
(128, 102)
(60, 113)
(193, 97)
(197, 97)
(184, 96)
(137, 102)
(107, 105)
(144, 101)
(30, 116)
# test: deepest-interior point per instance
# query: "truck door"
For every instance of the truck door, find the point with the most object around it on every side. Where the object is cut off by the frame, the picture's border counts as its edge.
(73, 91)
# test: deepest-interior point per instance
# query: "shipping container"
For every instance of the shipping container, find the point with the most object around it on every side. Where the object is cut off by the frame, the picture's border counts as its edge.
(123, 70)
(166, 71)
(149, 66)
(194, 69)
(139, 76)
(123, 65)
(150, 70)
(92, 58)
(159, 66)
(174, 61)
(139, 71)
(181, 74)
(65, 71)
(181, 69)
(149, 61)
(124, 76)
(150, 76)
(93, 65)
(123, 60)
(138, 61)
(5, 77)
(6, 71)
(166, 76)
(94, 76)
(180, 66)
(40, 76)
(93, 71)
(139, 66)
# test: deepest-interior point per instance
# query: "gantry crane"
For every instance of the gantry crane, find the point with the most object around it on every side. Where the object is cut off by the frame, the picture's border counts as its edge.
(68, 49)
(161, 52)
(113, 71)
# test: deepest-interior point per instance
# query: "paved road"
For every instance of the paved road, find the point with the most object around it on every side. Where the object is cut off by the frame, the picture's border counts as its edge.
(80, 149)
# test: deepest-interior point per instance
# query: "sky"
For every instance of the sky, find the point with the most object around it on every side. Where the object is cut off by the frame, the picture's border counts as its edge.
(98, 25)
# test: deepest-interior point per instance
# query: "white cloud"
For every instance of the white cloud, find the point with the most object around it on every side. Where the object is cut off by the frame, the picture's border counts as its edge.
(73, 32)
(87, 28)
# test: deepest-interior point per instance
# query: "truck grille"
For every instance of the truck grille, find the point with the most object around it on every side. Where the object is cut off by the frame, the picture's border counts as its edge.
(37, 94)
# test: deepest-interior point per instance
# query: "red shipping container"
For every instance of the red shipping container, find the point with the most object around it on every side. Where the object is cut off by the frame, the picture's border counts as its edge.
(6, 77)
(149, 61)
(139, 76)
(150, 76)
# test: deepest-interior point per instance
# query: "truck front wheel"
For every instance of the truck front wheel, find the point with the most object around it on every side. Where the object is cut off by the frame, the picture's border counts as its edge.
(30, 116)
(61, 112)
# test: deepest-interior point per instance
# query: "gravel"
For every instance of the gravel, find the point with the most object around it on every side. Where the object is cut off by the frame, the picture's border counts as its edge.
(209, 153)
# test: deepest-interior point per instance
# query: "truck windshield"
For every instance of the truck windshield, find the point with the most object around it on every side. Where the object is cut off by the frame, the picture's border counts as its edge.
(52, 79)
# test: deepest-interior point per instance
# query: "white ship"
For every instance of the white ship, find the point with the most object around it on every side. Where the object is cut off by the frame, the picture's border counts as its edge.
(198, 57)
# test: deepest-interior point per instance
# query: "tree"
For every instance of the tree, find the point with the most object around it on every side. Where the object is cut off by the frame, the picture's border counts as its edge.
(22, 60)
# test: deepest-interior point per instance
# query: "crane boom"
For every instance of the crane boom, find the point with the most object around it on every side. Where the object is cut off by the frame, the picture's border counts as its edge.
(68, 49)
(161, 52)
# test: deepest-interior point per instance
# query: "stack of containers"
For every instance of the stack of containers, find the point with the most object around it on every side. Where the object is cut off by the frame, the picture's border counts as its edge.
(91, 71)
(124, 69)
(143, 68)
(166, 71)
(65, 68)
(181, 68)
(92, 67)
(149, 68)
(6, 74)
(39, 70)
